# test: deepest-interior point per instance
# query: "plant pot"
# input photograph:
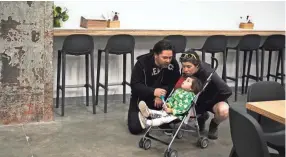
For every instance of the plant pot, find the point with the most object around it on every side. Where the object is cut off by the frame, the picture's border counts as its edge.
(57, 22)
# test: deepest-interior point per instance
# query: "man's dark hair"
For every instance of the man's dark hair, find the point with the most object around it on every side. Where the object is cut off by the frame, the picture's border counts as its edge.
(161, 46)
(190, 56)
(196, 85)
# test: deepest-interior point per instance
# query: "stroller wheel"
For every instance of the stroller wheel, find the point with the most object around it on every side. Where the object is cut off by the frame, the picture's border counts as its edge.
(171, 153)
(203, 142)
(147, 144)
(179, 135)
(141, 142)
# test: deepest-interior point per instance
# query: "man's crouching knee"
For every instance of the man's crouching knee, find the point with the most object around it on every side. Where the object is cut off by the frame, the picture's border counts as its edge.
(134, 125)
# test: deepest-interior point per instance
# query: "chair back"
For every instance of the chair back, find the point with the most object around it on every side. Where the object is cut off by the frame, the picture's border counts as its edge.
(120, 44)
(274, 42)
(78, 44)
(179, 42)
(266, 91)
(249, 42)
(215, 43)
(246, 135)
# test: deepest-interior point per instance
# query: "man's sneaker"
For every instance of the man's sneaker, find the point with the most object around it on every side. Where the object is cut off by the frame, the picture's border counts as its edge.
(213, 130)
(142, 120)
(168, 128)
(202, 120)
(144, 109)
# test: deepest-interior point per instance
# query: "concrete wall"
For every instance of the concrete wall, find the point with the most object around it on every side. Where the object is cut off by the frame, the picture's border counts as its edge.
(26, 62)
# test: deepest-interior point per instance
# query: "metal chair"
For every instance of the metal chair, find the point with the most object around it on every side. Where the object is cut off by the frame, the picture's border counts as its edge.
(247, 136)
(121, 44)
(79, 44)
(274, 132)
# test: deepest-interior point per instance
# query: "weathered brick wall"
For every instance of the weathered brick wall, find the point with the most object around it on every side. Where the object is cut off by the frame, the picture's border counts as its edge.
(26, 62)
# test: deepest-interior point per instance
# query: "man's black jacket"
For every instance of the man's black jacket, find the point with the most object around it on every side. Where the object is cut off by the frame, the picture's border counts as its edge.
(147, 76)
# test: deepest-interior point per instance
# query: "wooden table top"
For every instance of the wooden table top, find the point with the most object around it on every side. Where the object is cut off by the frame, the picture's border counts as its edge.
(274, 110)
(143, 32)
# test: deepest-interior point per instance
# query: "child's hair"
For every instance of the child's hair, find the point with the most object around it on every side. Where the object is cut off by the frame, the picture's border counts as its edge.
(196, 85)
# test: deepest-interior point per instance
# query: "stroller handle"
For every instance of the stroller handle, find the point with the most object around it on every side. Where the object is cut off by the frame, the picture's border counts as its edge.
(216, 62)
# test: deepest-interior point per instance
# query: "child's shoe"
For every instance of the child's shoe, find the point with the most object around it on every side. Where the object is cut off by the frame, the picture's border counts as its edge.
(142, 120)
(144, 109)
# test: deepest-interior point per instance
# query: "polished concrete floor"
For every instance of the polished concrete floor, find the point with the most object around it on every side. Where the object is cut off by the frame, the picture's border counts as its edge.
(82, 134)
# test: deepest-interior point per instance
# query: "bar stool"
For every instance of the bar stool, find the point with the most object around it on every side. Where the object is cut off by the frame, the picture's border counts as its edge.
(215, 44)
(76, 45)
(247, 43)
(275, 42)
(178, 41)
(120, 44)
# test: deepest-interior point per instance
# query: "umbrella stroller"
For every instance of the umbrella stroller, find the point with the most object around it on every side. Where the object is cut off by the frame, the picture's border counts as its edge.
(145, 141)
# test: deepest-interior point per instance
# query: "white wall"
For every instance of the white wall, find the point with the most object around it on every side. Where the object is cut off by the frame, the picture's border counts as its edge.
(271, 17)
(180, 14)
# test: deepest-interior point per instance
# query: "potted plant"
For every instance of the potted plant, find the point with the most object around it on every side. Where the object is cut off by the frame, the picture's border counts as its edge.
(59, 16)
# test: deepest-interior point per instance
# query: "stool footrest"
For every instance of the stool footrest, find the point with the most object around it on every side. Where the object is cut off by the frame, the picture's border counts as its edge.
(252, 77)
(74, 86)
(231, 78)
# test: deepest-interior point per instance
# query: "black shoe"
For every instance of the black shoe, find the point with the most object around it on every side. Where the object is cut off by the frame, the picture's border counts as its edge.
(213, 130)
(168, 132)
(202, 120)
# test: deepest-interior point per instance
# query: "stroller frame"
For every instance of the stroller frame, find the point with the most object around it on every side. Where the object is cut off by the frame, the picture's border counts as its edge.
(202, 141)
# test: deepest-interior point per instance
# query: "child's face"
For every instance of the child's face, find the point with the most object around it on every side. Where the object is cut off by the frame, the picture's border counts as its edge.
(187, 84)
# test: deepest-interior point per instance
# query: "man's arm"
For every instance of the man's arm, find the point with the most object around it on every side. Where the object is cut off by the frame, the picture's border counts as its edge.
(138, 84)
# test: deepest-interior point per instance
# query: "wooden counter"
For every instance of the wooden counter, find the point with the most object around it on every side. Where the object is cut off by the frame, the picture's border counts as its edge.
(139, 32)
(274, 110)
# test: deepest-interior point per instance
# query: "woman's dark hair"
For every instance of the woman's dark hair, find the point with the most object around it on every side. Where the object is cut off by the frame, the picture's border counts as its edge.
(190, 56)
(196, 85)
(161, 46)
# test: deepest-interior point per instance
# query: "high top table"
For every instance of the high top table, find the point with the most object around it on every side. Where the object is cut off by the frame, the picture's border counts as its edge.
(274, 110)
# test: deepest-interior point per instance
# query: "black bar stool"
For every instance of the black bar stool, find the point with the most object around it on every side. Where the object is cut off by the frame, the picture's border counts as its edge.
(275, 42)
(179, 43)
(120, 44)
(247, 43)
(215, 44)
(76, 45)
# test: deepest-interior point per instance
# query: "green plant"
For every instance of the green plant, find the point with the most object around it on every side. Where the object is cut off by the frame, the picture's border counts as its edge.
(59, 16)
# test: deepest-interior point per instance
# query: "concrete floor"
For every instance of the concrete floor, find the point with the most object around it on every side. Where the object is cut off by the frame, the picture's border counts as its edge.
(82, 134)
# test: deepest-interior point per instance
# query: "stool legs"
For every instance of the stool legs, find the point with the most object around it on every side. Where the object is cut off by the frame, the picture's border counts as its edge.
(124, 78)
(106, 81)
(87, 78)
(243, 71)
(58, 77)
(282, 65)
(269, 65)
(98, 76)
(236, 74)
(224, 66)
(262, 64)
(248, 69)
(92, 82)
(63, 81)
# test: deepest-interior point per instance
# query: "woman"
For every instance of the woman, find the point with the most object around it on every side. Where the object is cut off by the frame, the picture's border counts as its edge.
(213, 99)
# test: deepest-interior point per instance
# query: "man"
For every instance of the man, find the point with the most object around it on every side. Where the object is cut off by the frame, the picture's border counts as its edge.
(153, 75)
(213, 99)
